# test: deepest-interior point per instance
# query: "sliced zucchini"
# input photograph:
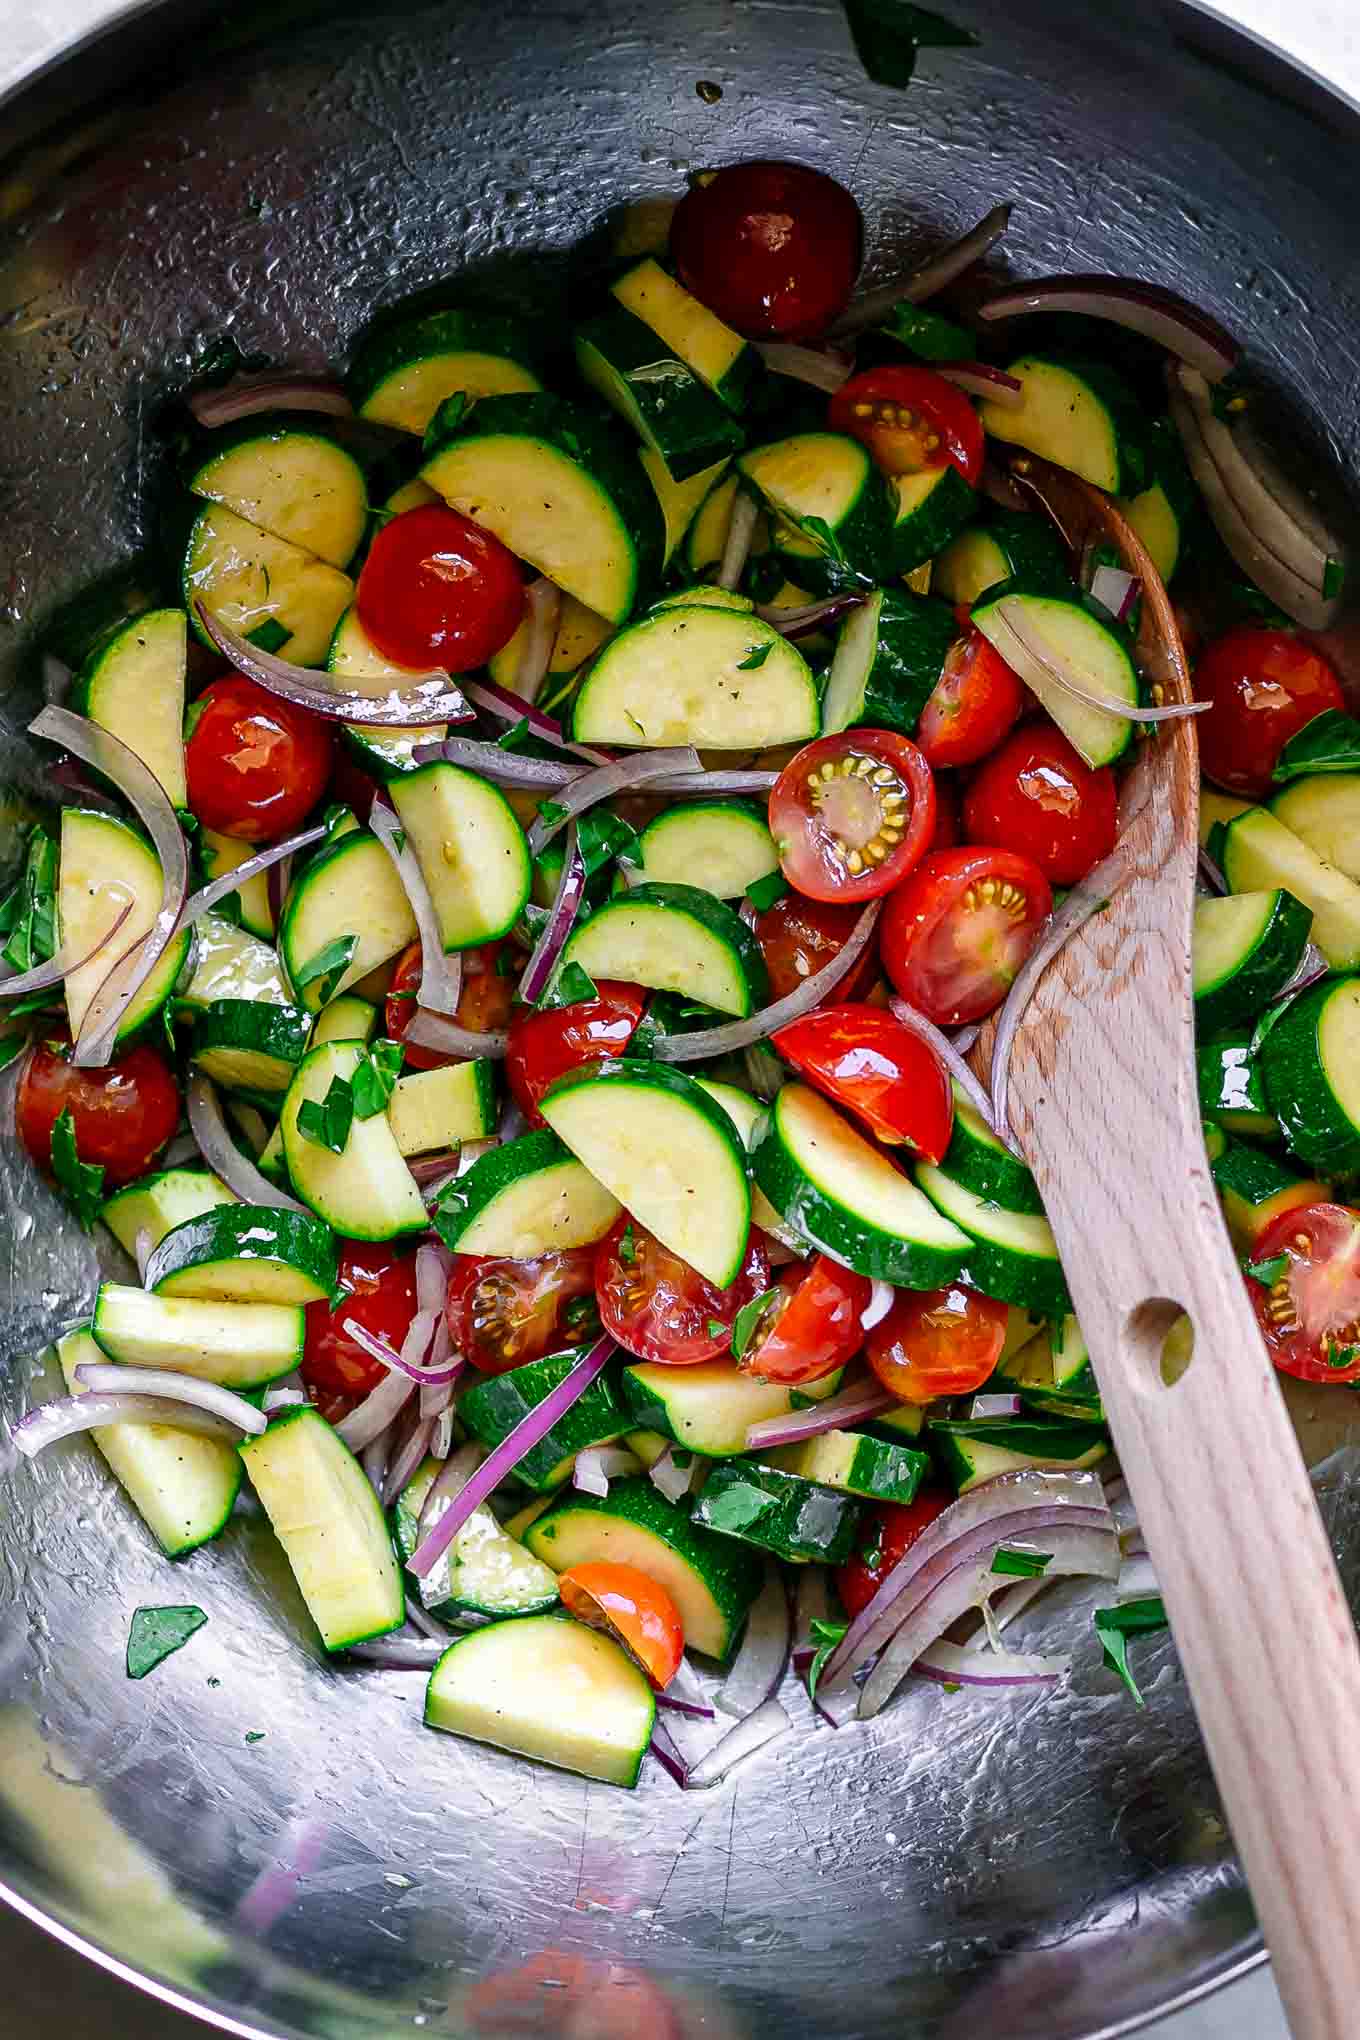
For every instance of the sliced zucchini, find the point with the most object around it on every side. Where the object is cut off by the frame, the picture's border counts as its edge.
(1011, 546)
(237, 1345)
(667, 1153)
(674, 938)
(1216, 807)
(107, 865)
(485, 1571)
(347, 1018)
(291, 478)
(1324, 812)
(648, 1446)
(1247, 947)
(721, 359)
(1215, 1139)
(679, 502)
(221, 854)
(985, 1165)
(529, 1196)
(1259, 853)
(778, 1512)
(230, 964)
(1161, 510)
(841, 505)
(931, 509)
(347, 902)
(497, 1403)
(471, 850)
(1232, 1089)
(711, 1585)
(549, 1688)
(561, 488)
(1312, 1075)
(248, 578)
(906, 1420)
(328, 1519)
(890, 653)
(366, 1192)
(405, 371)
(717, 678)
(839, 1192)
(1255, 1188)
(723, 844)
(438, 1108)
(246, 1253)
(1036, 632)
(133, 686)
(704, 596)
(517, 1525)
(969, 1453)
(580, 633)
(746, 1114)
(1080, 415)
(183, 1485)
(382, 749)
(248, 1045)
(154, 1205)
(1013, 1254)
(856, 1465)
(710, 1407)
(652, 390)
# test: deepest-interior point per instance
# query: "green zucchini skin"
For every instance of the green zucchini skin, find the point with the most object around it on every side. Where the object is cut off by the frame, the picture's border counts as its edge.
(778, 1512)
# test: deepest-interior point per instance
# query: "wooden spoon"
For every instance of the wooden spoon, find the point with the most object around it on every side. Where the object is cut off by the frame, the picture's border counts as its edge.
(1105, 1106)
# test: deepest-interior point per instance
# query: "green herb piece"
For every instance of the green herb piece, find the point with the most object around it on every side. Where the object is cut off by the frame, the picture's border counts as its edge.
(756, 656)
(1021, 1565)
(646, 1035)
(83, 1182)
(818, 528)
(269, 636)
(1333, 579)
(1342, 1356)
(1114, 1627)
(371, 1084)
(329, 965)
(826, 1635)
(514, 738)
(36, 1002)
(736, 1508)
(763, 892)
(602, 836)
(328, 1123)
(889, 33)
(156, 1634)
(1269, 1271)
(506, 967)
(928, 335)
(28, 912)
(338, 820)
(254, 1735)
(747, 1319)
(627, 1246)
(10, 1046)
(1268, 1020)
(551, 812)
(452, 411)
(573, 984)
(716, 1328)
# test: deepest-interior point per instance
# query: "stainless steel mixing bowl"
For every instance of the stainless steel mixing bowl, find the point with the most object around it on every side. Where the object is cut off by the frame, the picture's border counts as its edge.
(1051, 1867)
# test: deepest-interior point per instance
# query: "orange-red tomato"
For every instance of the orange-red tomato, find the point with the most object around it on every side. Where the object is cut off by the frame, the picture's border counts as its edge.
(910, 419)
(255, 766)
(1264, 686)
(937, 1342)
(437, 589)
(879, 1070)
(813, 1328)
(121, 1116)
(484, 1003)
(629, 1606)
(1310, 1313)
(851, 814)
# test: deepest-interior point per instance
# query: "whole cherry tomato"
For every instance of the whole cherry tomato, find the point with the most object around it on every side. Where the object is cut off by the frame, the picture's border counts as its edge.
(549, 1044)
(255, 766)
(910, 419)
(437, 589)
(121, 1115)
(1036, 796)
(953, 938)
(937, 1342)
(772, 248)
(377, 1282)
(1264, 686)
(851, 814)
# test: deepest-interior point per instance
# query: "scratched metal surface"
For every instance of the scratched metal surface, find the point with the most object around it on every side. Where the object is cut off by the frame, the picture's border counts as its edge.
(1045, 1869)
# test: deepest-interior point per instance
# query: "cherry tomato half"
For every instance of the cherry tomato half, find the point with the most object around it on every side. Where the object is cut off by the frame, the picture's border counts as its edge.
(977, 701)
(799, 937)
(910, 419)
(851, 814)
(657, 1307)
(255, 765)
(1264, 686)
(501, 1314)
(548, 1045)
(122, 1115)
(878, 1069)
(887, 1534)
(772, 248)
(812, 1326)
(937, 1342)
(1310, 1313)
(953, 938)
(436, 589)
(1035, 795)
(485, 1001)
(379, 1285)
(630, 1607)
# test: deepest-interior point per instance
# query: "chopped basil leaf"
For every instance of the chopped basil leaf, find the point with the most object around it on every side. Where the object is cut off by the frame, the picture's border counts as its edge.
(602, 836)
(452, 411)
(329, 964)
(627, 1247)
(889, 33)
(1269, 1271)
(1267, 1021)
(756, 655)
(513, 739)
(10, 1046)
(36, 1002)
(1333, 579)
(28, 912)
(818, 528)
(371, 1084)
(269, 636)
(572, 985)
(156, 1634)
(1342, 1356)
(1114, 1627)
(83, 1182)
(254, 1735)
(736, 1508)
(328, 1123)
(826, 1635)
(338, 820)
(1023, 1565)
(747, 1319)
(763, 892)
(642, 1047)
(506, 967)
(552, 812)
(928, 335)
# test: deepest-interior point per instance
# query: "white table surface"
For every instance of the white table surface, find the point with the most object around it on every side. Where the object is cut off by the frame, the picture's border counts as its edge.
(59, 1996)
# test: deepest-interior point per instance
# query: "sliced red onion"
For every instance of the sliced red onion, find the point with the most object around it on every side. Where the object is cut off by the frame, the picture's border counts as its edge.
(409, 1457)
(373, 1459)
(447, 1485)
(222, 1155)
(141, 1251)
(737, 1034)
(737, 546)
(421, 1619)
(1012, 1601)
(1116, 591)
(433, 1271)
(620, 775)
(144, 792)
(278, 879)
(1091, 896)
(511, 708)
(599, 1464)
(245, 396)
(430, 697)
(543, 607)
(276, 1888)
(418, 1336)
(97, 1407)
(1178, 326)
(506, 768)
(932, 276)
(963, 1038)
(181, 1388)
(57, 967)
(282, 1396)
(811, 616)
(766, 1076)
(980, 379)
(685, 1695)
(1311, 966)
(674, 1482)
(400, 1653)
(985, 1407)
(183, 1148)
(956, 1664)
(507, 1455)
(759, 1668)
(446, 1037)
(1213, 877)
(666, 1754)
(852, 1406)
(881, 1300)
(571, 890)
(950, 1055)
(1039, 666)
(441, 975)
(824, 368)
(370, 1418)
(744, 1740)
(68, 777)
(232, 881)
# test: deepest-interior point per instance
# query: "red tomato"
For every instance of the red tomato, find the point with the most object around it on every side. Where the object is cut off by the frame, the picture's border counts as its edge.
(910, 419)
(485, 1001)
(937, 1342)
(814, 1326)
(772, 248)
(630, 1607)
(1310, 1313)
(977, 701)
(659, 1308)
(502, 1314)
(436, 589)
(798, 937)
(379, 1285)
(878, 1069)
(948, 827)
(953, 938)
(851, 814)
(122, 1115)
(887, 1534)
(1035, 795)
(351, 785)
(548, 1045)
(256, 766)
(1264, 686)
